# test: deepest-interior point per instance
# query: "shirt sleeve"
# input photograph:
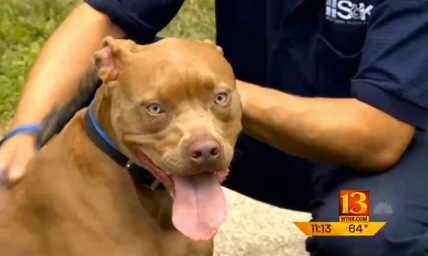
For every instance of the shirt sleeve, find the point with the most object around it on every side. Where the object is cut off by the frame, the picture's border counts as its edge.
(140, 19)
(393, 73)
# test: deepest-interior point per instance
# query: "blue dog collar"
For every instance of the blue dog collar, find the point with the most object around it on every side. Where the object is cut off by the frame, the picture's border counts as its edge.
(98, 127)
(100, 138)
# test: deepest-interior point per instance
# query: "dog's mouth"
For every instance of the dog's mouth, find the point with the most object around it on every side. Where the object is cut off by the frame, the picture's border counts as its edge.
(199, 202)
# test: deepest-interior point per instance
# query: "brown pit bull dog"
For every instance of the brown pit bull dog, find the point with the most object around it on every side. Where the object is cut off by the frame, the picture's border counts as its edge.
(171, 108)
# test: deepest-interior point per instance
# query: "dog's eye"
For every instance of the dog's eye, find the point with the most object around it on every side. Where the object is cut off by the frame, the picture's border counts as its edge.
(154, 108)
(221, 98)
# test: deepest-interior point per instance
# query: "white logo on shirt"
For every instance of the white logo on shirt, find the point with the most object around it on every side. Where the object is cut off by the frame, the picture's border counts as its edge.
(347, 12)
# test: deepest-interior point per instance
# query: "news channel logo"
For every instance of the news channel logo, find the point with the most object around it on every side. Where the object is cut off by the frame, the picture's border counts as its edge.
(354, 217)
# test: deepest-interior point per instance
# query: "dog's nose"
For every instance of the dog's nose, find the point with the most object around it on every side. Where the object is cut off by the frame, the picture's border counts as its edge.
(204, 151)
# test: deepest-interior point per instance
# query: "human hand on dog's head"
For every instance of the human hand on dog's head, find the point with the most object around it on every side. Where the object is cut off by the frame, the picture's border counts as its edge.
(177, 112)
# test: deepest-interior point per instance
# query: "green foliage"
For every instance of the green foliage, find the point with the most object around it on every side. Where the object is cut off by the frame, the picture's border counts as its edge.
(26, 24)
(196, 20)
(24, 27)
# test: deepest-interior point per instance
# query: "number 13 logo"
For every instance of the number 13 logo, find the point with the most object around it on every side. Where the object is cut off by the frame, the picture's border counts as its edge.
(355, 202)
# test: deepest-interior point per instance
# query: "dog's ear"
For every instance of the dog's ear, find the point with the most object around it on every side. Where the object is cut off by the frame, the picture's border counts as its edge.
(107, 60)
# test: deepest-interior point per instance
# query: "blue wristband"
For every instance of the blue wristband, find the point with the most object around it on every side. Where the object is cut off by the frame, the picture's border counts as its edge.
(26, 128)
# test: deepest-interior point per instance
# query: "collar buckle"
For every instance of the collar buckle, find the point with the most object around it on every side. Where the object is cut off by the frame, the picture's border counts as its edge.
(153, 184)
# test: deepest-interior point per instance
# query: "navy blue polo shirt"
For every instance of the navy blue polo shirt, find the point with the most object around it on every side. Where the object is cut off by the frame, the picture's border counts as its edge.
(373, 50)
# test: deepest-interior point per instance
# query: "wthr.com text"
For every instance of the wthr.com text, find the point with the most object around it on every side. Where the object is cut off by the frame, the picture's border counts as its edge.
(354, 218)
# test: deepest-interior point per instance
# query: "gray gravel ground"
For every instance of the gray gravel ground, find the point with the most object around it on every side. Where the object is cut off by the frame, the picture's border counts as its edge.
(257, 229)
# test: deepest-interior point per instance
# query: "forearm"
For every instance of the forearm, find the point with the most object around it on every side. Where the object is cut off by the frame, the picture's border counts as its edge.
(61, 70)
(339, 131)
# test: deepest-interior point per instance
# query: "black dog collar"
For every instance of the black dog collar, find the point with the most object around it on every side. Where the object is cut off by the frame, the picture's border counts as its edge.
(103, 142)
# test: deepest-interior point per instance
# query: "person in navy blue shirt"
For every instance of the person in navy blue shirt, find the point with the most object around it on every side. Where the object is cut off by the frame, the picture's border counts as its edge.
(335, 97)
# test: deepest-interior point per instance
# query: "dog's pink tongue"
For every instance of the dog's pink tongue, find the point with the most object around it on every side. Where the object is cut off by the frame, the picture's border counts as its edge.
(199, 206)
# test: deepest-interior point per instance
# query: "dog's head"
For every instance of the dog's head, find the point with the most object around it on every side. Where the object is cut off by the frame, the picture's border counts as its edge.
(174, 109)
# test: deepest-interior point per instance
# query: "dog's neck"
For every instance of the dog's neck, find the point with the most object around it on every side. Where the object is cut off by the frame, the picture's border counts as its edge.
(102, 113)
(157, 202)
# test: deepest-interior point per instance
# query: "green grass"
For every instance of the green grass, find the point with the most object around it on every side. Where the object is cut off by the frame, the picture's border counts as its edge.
(26, 24)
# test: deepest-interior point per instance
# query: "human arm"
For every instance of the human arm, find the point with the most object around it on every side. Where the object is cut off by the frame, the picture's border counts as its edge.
(339, 131)
(61, 79)
(60, 76)
(392, 79)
